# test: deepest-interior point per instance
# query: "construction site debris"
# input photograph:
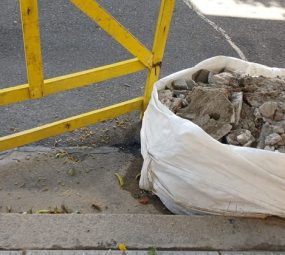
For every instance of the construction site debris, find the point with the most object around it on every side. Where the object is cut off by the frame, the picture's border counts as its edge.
(233, 108)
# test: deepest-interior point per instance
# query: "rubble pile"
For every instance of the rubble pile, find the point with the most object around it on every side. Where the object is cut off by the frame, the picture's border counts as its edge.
(231, 107)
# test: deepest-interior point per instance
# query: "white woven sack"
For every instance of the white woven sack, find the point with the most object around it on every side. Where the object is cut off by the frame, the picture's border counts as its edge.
(190, 171)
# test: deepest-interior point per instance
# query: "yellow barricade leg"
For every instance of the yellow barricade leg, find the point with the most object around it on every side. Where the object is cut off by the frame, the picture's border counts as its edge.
(162, 29)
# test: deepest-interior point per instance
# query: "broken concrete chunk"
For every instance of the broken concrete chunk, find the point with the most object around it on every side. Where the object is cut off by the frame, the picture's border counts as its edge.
(269, 148)
(265, 131)
(191, 84)
(257, 114)
(278, 129)
(216, 129)
(180, 84)
(165, 97)
(279, 115)
(234, 108)
(273, 139)
(236, 100)
(211, 101)
(180, 93)
(223, 79)
(268, 109)
(184, 103)
(281, 149)
(245, 137)
(241, 137)
(231, 138)
(176, 104)
(201, 76)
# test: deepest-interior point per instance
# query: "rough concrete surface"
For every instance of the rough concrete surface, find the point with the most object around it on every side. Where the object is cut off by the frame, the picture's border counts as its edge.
(82, 179)
(112, 252)
(146, 252)
(98, 231)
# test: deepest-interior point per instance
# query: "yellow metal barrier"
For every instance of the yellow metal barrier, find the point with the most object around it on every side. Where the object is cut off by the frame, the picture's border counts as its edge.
(37, 87)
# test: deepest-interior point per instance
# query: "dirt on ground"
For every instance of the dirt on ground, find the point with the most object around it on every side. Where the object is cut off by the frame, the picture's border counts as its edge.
(74, 180)
(232, 107)
(132, 177)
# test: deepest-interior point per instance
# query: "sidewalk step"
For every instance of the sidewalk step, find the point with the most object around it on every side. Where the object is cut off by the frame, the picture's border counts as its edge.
(111, 252)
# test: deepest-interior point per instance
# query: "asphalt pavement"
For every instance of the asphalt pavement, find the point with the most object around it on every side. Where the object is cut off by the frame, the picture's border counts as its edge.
(72, 42)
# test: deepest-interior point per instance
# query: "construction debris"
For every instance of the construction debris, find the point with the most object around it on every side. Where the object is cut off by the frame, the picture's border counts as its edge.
(233, 108)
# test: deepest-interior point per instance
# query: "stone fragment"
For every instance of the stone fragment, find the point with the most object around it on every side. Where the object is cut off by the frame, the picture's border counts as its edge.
(180, 93)
(191, 84)
(211, 101)
(257, 98)
(281, 149)
(257, 114)
(269, 148)
(184, 103)
(273, 139)
(216, 129)
(279, 115)
(223, 79)
(176, 104)
(231, 138)
(165, 97)
(265, 131)
(278, 129)
(236, 100)
(180, 84)
(201, 76)
(240, 137)
(245, 138)
(268, 109)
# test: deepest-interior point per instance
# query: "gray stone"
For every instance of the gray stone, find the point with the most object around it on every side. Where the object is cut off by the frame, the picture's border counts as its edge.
(268, 109)
(201, 76)
(269, 148)
(165, 97)
(245, 138)
(278, 129)
(180, 93)
(265, 131)
(236, 100)
(279, 115)
(180, 84)
(191, 84)
(257, 114)
(223, 79)
(176, 104)
(273, 139)
(281, 149)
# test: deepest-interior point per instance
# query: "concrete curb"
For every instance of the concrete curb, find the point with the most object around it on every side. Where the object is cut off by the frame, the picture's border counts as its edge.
(90, 231)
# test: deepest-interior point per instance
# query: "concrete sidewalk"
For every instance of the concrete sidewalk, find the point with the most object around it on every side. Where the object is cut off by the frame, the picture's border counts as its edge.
(79, 179)
(112, 252)
(139, 232)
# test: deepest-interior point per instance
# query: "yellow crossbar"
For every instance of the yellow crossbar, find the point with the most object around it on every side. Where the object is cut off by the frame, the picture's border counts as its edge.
(107, 22)
(75, 80)
(69, 124)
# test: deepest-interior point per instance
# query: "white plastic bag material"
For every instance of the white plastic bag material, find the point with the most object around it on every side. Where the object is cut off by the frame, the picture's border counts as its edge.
(192, 172)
